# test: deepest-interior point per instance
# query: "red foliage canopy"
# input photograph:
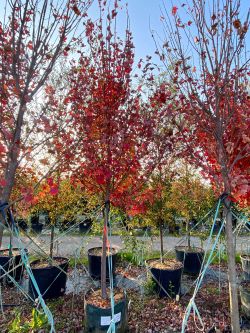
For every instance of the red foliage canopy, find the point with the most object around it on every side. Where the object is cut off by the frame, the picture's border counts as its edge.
(119, 146)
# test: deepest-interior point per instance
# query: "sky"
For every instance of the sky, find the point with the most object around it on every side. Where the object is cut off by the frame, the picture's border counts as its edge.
(144, 14)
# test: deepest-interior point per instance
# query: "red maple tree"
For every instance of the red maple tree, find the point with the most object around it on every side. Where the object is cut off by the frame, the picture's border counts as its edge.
(210, 75)
(33, 35)
(116, 127)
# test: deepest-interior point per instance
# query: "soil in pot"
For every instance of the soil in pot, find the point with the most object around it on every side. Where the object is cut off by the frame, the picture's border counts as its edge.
(98, 313)
(191, 257)
(167, 275)
(13, 264)
(51, 279)
(245, 262)
(245, 297)
(94, 260)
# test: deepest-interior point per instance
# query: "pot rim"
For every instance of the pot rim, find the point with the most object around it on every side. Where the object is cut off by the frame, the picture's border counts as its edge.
(13, 249)
(201, 250)
(125, 298)
(48, 267)
(245, 257)
(162, 269)
(243, 289)
(100, 247)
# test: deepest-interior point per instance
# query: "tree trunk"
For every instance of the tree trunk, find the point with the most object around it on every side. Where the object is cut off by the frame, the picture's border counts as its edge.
(12, 161)
(189, 239)
(1, 229)
(104, 249)
(10, 178)
(52, 234)
(161, 241)
(233, 293)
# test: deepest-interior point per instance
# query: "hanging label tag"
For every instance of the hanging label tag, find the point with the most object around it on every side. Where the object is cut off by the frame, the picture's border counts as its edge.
(105, 321)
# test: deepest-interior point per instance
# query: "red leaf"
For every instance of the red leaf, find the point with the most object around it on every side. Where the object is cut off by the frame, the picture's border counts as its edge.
(174, 10)
(54, 190)
(50, 181)
(76, 10)
(3, 182)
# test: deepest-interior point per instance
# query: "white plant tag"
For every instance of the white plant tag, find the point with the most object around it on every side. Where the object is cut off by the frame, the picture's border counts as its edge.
(117, 317)
(105, 321)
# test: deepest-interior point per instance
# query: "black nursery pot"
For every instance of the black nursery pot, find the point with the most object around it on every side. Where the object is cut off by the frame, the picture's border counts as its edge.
(85, 226)
(217, 227)
(97, 319)
(34, 219)
(22, 224)
(51, 280)
(37, 228)
(11, 264)
(94, 261)
(168, 281)
(191, 258)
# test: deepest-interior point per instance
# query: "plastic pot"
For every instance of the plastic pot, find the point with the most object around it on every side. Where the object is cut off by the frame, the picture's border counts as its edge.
(245, 262)
(174, 229)
(37, 228)
(94, 261)
(168, 281)
(51, 280)
(34, 219)
(12, 264)
(191, 258)
(217, 227)
(85, 225)
(4, 262)
(22, 224)
(245, 297)
(98, 319)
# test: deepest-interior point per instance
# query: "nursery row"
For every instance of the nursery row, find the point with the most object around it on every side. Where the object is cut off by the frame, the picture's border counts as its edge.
(51, 278)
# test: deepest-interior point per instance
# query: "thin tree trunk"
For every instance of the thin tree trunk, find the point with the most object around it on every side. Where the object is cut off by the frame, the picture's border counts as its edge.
(1, 229)
(12, 161)
(10, 177)
(52, 235)
(189, 239)
(161, 241)
(233, 293)
(104, 249)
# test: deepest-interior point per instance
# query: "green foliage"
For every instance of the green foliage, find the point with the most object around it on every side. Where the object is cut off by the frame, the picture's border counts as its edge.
(182, 194)
(83, 260)
(160, 211)
(135, 250)
(191, 197)
(38, 321)
(223, 258)
(171, 290)
(70, 201)
(149, 288)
